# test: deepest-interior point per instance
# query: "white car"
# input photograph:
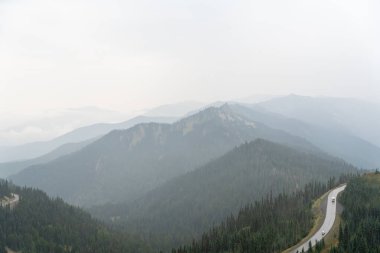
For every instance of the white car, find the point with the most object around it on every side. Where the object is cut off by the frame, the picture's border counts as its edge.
(333, 199)
(323, 233)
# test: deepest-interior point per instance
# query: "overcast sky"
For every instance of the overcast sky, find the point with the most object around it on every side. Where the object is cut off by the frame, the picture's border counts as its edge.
(128, 55)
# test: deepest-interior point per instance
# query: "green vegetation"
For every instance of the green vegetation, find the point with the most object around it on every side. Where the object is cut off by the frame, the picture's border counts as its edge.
(126, 164)
(182, 209)
(270, 225)
(360, 229)
(44, 225)
(4, 189)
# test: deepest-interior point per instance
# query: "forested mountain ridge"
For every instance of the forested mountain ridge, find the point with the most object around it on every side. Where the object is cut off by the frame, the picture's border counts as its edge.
(342, 144)
(270, 225)
(83, 134)
(353, 116)
(360, 228)
(44, 225)
(11, 168)
(125, 164)
(186, 206)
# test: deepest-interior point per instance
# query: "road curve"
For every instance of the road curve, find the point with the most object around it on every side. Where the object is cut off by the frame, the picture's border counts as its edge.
(328, 222)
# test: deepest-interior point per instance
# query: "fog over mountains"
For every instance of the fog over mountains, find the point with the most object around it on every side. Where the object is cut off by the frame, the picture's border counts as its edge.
(125, 164)
(169, 179)
(182, 208)
(353, 116)
(339, 143)
(36, 149)
(41, 126)
(189, 126)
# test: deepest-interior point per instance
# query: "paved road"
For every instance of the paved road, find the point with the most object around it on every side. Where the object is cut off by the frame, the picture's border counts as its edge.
(328, 222)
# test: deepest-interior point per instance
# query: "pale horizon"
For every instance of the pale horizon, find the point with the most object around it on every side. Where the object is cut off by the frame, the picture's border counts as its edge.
(128, 56)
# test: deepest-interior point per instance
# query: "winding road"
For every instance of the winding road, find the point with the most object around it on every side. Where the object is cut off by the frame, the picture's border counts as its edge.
(328, 222)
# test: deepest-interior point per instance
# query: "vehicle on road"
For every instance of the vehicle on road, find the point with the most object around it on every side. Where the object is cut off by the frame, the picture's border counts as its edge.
(327, 223)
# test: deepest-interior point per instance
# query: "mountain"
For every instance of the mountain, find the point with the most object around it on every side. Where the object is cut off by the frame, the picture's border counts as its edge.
(356, 117)
(10, 168)
(269, 225)
(360, 226)
(17, 130)
(338, 143)
(125, 164)
(36, 149)
(40, 224)
(188, 205)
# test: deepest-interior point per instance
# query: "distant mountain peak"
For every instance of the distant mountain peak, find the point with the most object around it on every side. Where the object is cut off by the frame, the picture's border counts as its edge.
(224, 114)
(127, 163)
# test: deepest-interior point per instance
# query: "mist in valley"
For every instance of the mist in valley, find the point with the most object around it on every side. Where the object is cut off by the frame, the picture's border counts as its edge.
(189, 126)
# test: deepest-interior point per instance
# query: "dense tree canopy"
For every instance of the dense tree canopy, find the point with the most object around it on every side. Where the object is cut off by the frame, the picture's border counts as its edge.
(270, 225)
(4, 189)
(187, 206)
(360, 229)
(41, 224)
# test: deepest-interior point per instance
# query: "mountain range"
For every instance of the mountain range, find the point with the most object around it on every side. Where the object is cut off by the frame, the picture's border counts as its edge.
(11, 168)
(36, 149)
(169, 179)
(188, 205)
(349, 115)
(342, 144)
(125, 164)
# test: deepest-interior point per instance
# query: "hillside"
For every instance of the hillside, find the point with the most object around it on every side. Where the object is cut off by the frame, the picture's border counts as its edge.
(269, 225)
(190, 204)
(352, 116)
(44, 225)
(11, 168)
(359, 231)
(338, 143)
(125, 164)
(37, 149)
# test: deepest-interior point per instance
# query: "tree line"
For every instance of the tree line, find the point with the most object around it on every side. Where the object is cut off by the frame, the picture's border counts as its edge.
(270, 225)
(360, 228)
(40, 224)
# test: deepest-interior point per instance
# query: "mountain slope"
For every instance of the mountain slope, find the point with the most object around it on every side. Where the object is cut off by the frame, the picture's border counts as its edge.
(40, 224)
(11, 168)
(341, 144)
(190, 204)
(270, 225)
(36, 149)
(124, 165)
(360, 226)
(356, 117)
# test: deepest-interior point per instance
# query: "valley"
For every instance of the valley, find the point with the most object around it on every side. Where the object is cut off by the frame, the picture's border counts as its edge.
(164, 185)
(189, 126)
